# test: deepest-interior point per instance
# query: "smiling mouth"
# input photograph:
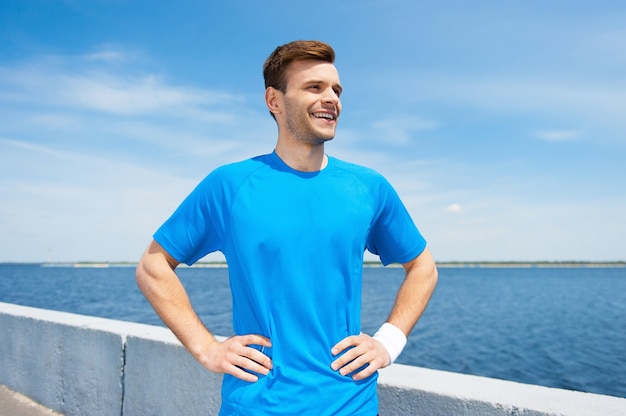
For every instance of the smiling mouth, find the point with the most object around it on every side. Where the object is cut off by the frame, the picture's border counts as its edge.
(327, 116)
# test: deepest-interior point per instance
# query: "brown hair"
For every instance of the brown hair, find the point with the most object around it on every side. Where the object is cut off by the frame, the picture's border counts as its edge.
(300, 50)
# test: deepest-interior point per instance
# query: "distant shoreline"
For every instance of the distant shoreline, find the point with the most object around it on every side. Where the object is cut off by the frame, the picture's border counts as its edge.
(443, 264)
(538, 264)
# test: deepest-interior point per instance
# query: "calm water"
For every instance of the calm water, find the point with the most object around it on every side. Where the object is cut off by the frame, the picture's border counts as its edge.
(556, 327)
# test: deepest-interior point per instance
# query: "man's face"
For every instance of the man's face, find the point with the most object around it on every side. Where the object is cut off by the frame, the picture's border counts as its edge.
(311, 101)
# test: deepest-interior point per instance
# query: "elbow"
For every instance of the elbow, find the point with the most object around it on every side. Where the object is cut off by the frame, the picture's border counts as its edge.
(425, 263)
(427, 267)
(142, 277)
(434, 275)
(155, 265)
(146, 269)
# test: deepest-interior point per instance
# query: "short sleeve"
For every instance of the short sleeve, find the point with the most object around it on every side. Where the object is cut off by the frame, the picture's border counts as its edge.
(197, 226)
(393, 235)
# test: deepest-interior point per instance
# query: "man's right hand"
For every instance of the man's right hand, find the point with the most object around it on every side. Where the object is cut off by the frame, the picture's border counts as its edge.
(165, 292)
(235, 355)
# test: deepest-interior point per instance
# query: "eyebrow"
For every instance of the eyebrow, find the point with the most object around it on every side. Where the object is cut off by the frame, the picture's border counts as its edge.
(313, 82)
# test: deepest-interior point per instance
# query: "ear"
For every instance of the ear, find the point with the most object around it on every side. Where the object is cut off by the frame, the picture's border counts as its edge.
(273, 100)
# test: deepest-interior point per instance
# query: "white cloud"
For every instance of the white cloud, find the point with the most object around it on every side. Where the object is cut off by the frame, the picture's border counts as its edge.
(600, 103)
(103, 152)
(54, 120)
(402, 129)
(141, 95)
(454, 209)
(95, 156)
(59, 82)
(82, 101)
(529, 94)
(503, 223)
(110, 54)
(78, 205)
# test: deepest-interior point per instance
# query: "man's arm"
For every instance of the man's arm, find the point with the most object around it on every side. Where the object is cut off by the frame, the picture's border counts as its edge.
(415, 292)
(411, 300)
(161, 286)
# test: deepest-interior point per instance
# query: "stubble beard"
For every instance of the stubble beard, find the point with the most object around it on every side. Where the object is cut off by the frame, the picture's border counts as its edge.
(300, 127)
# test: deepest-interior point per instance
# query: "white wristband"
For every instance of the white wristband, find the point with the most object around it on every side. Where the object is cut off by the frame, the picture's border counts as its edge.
(392, 338)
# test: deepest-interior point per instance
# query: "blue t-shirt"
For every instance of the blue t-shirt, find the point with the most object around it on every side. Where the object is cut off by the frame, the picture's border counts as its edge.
(294, 242)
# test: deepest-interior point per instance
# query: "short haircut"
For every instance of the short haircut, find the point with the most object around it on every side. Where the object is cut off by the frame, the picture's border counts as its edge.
(278, 62)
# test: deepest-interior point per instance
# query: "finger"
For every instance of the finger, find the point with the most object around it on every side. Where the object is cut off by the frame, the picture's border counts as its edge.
(375, 362)
(344, 344)
(346, 358)
(350, 346)
(251, 365)
(237, 372)
(365, 373)
(354, 365)
(263, 363)
(237, 349)
(255, 339)
(259, 358)
(239, 344)
(243, 367)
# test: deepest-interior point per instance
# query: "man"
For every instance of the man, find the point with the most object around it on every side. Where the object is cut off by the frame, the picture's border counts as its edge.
(293, 226)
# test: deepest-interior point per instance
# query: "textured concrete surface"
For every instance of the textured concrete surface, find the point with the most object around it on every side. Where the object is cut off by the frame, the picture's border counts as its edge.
(16, 404)
(86, 366)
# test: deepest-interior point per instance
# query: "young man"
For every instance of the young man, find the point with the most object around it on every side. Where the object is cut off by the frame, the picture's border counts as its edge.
(293, 226)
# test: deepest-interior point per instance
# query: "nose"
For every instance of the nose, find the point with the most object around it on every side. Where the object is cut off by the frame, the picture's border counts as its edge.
(331, 97)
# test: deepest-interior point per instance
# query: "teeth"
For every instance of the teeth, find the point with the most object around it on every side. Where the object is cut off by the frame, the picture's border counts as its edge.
(324, 115)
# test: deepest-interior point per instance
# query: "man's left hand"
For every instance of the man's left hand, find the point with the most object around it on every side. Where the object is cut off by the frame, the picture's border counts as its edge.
(360, 350)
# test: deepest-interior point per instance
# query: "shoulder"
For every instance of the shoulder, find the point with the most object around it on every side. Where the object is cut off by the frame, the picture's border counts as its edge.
(236, 172)
(377, 186)
(225, 181)
(362, 173)
(242, 167)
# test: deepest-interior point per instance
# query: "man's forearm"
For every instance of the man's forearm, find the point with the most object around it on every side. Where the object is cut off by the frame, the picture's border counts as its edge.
(414, 293)
(382, 349)
(162, 288)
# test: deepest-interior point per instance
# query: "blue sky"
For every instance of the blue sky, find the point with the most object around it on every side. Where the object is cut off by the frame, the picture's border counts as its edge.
(502, 125)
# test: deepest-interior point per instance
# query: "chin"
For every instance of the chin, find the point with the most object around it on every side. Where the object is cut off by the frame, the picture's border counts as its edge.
(323, 140)
(315, 140)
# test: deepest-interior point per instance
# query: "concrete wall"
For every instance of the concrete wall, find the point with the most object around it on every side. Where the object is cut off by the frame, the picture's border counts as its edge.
(80, 365)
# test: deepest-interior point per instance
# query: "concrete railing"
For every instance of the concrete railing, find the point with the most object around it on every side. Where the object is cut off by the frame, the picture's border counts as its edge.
(81, 365)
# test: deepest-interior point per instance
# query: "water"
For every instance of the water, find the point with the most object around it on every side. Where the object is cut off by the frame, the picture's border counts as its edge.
(557, 327)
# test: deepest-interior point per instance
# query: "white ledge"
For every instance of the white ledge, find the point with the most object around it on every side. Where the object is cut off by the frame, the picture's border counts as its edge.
(83, 365)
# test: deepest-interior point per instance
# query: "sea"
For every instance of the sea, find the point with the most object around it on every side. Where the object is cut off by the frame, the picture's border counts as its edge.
(561, 327)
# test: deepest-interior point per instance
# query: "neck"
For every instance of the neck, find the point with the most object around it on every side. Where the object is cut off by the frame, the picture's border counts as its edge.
(304, 158)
